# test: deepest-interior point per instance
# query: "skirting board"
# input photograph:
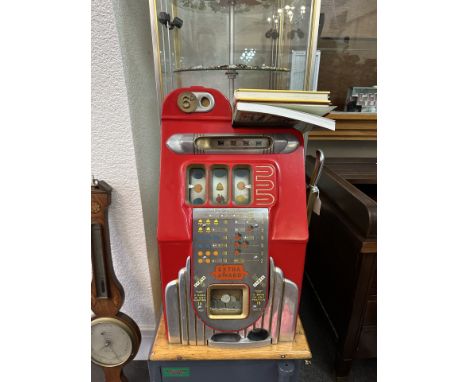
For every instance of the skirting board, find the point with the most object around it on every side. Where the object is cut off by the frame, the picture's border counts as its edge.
(147, 338)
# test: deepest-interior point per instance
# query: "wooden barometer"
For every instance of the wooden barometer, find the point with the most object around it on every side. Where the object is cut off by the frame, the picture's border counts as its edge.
(115, 337)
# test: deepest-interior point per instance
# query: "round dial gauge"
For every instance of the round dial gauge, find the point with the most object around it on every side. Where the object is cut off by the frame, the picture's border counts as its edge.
(112, 342)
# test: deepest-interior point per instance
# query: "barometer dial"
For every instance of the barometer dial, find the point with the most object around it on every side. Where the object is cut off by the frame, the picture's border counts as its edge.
(113, 342)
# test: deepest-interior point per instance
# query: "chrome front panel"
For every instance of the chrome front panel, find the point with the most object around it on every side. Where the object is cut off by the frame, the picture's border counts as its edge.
(172, 310)
(278, 319)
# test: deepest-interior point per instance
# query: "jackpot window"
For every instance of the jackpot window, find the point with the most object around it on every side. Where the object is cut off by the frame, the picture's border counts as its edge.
(228, 301)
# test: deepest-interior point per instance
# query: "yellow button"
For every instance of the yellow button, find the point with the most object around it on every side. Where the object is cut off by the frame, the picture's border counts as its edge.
(207, 253)
(216, 221)
(208, 229)
(200, 261)
(215, 253)
(207, 261)
(207, 221)
(200, 253)
(200, 221)
(200, 229)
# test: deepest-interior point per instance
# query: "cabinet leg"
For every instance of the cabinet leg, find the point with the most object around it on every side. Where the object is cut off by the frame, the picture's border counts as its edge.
(115, 374)
(342, 367)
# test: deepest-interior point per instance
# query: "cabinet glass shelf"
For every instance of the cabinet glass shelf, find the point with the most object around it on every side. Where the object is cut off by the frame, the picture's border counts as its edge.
(232, 68)
(267, 44)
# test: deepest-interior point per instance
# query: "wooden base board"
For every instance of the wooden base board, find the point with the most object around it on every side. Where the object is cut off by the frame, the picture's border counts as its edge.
(164, 351)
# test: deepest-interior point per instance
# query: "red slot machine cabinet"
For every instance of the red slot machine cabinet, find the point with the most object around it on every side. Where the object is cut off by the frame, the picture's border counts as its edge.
(232, 228)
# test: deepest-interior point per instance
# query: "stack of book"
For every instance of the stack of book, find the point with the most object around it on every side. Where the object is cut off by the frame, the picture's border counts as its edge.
(302, 110)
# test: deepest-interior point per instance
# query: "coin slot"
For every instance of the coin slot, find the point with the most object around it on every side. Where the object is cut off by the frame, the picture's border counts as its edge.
(205, 102)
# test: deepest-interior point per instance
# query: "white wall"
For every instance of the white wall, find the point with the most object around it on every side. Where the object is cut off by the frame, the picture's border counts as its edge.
(125, 150)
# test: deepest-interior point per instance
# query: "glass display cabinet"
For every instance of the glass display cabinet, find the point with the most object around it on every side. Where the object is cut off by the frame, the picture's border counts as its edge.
(229, 44)
(348, 47)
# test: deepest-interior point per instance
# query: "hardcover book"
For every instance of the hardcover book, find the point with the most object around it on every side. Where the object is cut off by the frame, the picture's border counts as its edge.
(256, 114)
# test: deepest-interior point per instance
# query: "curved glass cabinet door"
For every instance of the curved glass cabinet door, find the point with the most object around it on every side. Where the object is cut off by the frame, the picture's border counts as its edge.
(348, 48)
(228, 44)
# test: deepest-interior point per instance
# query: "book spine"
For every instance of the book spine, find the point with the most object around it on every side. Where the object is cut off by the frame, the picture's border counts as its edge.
(283, 100)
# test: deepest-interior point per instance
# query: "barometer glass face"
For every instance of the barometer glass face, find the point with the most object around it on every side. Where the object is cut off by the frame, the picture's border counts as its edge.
(111, 344)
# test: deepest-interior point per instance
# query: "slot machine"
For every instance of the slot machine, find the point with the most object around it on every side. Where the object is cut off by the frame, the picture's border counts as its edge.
(232, 228)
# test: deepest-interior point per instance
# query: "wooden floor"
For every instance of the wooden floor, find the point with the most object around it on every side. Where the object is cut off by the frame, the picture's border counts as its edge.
(321, 341)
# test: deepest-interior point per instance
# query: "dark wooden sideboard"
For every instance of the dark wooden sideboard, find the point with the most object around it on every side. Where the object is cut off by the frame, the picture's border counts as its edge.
(341, 262)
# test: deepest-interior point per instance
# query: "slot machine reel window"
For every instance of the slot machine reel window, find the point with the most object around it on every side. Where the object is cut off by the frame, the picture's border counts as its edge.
(219, 185)
(196, 185)
(241, 185)
(215, 187)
